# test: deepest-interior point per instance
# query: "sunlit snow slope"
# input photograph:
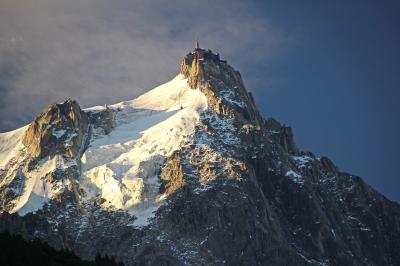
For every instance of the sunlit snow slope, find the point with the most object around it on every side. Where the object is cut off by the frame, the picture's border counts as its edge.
(10, 144)
(120, 168)
(35, 190)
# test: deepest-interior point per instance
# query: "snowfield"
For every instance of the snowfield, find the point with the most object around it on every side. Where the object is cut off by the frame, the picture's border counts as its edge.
(120, 168)
(10, 145)
(37, 191)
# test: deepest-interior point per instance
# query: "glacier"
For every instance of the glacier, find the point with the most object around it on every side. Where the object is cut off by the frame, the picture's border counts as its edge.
(121, 167)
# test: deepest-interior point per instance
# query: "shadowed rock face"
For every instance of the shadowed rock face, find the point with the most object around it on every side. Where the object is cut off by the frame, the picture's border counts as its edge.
(282, 135)
(59, 129)
(241, 193)
(102, 119)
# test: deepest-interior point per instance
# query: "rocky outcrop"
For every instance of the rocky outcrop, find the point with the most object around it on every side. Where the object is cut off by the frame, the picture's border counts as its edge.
(61, 128)
(53, 144)
(328, 165)
(222, 85)
(283, 135)
(102, 119)
(172, 175)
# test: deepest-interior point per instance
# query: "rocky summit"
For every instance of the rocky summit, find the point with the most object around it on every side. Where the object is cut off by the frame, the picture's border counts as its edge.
(189, 173)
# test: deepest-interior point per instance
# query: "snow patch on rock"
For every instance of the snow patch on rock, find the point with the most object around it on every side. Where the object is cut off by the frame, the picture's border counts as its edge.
(59, 133)
(302, 161)
(295, 177)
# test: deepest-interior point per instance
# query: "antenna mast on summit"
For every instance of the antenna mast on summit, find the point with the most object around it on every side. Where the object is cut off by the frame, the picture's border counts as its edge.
(196, 44)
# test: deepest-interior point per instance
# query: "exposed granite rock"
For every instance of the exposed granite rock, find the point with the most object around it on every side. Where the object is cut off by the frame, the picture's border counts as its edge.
(13, 190)
(58, 134)
(328, 165)
(222, 85)
(283, 135)
(102, 119)
(61, 128)
(172, 175)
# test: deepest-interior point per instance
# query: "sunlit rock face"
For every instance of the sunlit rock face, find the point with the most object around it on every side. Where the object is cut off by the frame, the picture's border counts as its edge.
(60, 128)
(222, 85)
(189, 173)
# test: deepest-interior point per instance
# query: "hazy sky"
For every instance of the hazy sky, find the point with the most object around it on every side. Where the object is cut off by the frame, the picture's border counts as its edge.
(330, 69)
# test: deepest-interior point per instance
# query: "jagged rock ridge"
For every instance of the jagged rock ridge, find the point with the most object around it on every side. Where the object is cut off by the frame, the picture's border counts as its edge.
(189, 174)
(64, 122)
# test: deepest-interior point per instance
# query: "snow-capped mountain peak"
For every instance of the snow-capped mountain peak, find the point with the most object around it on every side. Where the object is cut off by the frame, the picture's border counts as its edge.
(120, 168)
(189, 173)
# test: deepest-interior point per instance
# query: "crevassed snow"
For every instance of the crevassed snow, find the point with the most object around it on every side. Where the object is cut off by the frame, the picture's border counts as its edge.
(10, 144)
(122, 167)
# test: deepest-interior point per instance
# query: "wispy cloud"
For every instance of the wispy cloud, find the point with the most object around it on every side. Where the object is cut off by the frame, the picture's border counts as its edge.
(100, 51)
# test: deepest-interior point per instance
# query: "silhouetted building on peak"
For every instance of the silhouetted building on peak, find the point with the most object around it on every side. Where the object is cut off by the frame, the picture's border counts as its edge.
(203, 54)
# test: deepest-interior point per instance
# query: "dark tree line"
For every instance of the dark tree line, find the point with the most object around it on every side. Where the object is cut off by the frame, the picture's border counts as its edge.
(16, 251)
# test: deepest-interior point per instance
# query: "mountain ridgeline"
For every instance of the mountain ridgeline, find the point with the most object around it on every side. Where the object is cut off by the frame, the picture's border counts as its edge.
(189, 173)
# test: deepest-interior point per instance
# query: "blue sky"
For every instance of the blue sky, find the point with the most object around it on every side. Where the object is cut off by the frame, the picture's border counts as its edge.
(340, 85)
(329, 69)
